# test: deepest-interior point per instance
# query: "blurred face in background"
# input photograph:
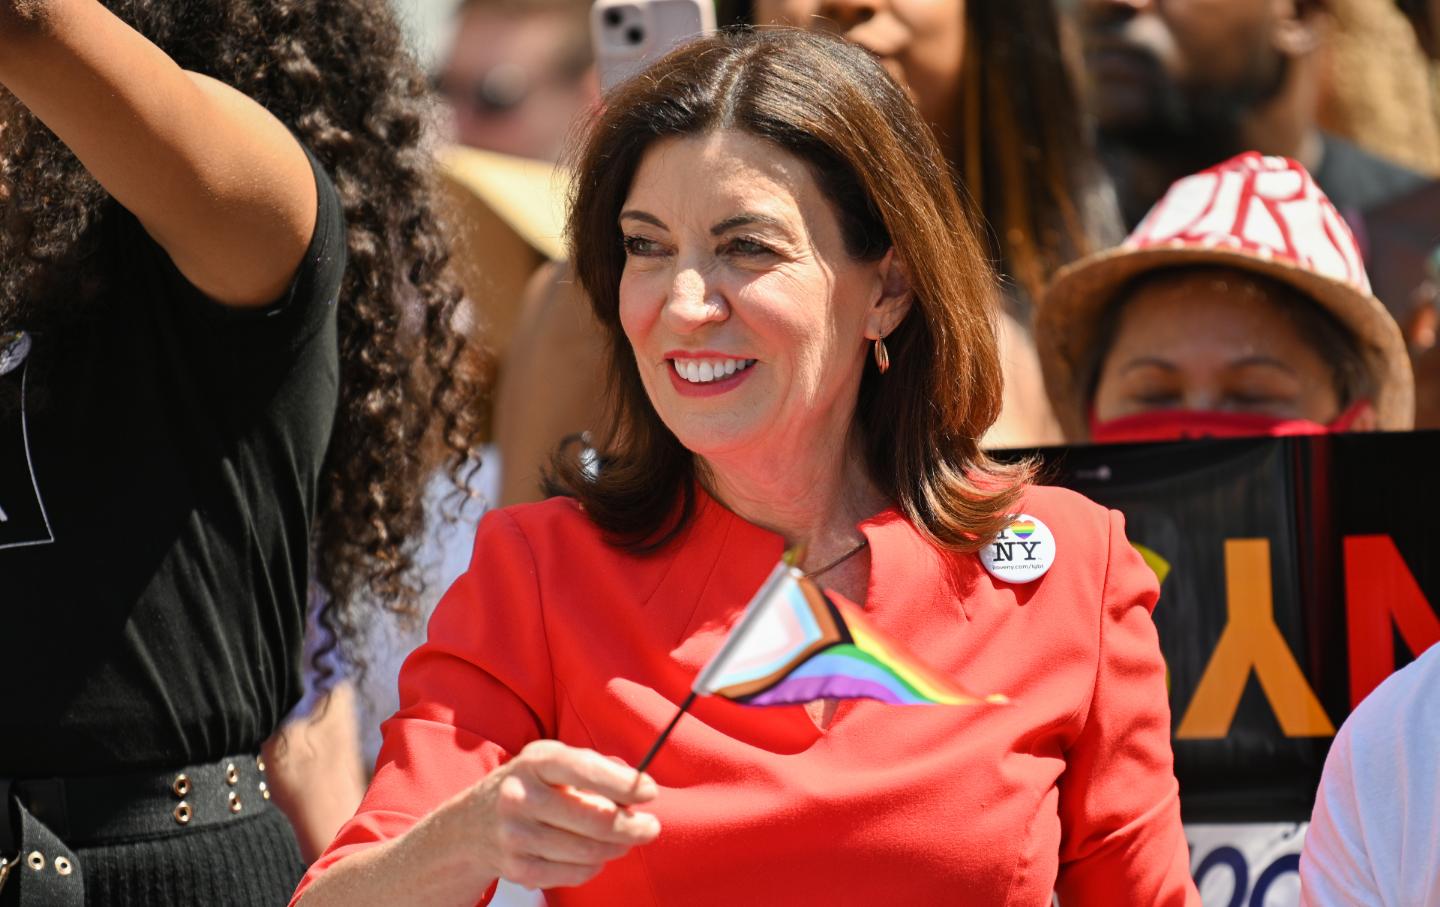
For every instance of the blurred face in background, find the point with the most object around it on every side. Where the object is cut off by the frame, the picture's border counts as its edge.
(1214, 342)
(1169, 71)
(515, 80)
(921, 43)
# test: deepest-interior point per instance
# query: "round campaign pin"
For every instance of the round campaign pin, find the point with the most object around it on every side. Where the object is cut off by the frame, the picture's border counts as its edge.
(1022, 552)
(14, 347)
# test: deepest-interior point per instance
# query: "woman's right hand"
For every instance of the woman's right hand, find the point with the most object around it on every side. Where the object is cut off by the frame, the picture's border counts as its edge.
(555, 815)
(549, 818)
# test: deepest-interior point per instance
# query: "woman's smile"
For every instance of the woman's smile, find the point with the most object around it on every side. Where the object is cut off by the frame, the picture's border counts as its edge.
(707, 374)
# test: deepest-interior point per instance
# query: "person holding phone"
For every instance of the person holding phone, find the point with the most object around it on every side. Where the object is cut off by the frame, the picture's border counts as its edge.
(224, 325)
(803, 357)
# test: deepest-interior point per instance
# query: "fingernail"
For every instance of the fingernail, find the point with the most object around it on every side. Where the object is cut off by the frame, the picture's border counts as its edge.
(645, 787)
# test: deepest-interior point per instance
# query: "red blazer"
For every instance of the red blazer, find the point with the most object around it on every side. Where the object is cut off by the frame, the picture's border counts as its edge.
(554, 634)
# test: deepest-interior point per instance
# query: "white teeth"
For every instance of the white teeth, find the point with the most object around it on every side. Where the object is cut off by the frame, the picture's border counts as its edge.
(703, 371)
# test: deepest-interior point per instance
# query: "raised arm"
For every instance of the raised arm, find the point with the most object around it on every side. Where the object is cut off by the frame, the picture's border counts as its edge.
(219, 182)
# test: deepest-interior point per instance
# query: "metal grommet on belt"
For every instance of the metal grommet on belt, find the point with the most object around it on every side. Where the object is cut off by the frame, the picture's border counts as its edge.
(128, 806)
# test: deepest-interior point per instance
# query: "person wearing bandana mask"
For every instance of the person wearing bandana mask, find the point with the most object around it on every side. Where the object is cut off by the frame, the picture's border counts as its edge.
(1238, 307)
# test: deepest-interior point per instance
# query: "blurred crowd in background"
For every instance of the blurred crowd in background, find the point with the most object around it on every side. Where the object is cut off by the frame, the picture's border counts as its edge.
(1065, 125)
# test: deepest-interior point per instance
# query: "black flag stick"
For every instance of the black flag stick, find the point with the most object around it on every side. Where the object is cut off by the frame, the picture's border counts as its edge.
(660, 741)
(790, 559)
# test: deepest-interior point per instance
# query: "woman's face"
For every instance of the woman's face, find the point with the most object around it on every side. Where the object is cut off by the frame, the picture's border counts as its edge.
(920, 42)
(748, 319)
(1202, 342)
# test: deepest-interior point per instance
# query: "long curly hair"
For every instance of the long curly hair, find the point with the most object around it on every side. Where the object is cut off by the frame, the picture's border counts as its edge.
(337, 73)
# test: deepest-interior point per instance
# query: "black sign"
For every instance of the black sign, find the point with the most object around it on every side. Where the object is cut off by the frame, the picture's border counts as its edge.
(1296, 573)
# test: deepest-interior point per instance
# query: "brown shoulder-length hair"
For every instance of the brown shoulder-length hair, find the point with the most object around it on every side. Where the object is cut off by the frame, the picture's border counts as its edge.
(1024, 149)
(829, 104)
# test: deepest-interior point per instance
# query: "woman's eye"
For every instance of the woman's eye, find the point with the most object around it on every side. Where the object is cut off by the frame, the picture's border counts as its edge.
(1253, 400)
(642, 247)
(1156, 399)
(747, 247)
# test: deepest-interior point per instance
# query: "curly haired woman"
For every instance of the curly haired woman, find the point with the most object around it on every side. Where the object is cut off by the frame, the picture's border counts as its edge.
(225, 332)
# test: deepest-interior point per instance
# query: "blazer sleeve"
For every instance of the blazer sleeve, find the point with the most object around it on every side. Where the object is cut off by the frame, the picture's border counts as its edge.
(471, 696)
(1121, 838)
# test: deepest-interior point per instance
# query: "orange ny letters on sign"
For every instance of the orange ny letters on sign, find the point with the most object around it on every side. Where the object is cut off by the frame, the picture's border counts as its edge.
(1251, 641)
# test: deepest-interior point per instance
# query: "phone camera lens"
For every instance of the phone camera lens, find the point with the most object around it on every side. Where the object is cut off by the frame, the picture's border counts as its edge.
(634, 34)
(613, 17)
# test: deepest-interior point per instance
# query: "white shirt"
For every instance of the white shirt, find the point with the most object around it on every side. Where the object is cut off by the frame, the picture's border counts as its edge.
(1374, 838)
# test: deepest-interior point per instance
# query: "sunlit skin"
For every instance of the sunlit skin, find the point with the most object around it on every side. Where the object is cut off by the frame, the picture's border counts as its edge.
(749, 263)
(1199, 342)
(919, 42)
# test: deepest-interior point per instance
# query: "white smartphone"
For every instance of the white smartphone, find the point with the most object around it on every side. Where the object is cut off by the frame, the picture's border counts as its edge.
(629, 35)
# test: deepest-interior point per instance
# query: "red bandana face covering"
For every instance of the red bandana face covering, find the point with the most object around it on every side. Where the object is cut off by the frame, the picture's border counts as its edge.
(1180, 424)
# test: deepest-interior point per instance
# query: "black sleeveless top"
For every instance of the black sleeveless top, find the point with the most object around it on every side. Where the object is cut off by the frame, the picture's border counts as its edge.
(157, 486)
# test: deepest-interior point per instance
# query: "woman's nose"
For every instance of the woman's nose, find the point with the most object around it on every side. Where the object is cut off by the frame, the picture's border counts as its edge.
(847, 14)
(1203, 398)
(693, 302)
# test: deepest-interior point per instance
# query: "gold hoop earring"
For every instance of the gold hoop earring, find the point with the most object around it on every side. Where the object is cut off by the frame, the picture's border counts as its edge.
(882, 355)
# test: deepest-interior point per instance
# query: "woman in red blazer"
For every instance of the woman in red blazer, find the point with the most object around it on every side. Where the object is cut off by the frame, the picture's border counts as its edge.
(803, 354)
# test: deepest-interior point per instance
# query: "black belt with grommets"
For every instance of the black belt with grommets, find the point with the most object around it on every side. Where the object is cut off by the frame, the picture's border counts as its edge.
(43, 818)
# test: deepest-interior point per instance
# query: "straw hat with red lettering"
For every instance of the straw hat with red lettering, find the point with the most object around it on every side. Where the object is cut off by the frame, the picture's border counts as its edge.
(1260, 214)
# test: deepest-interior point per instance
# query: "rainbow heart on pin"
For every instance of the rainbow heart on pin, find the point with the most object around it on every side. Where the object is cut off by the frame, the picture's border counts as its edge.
(1023, 529)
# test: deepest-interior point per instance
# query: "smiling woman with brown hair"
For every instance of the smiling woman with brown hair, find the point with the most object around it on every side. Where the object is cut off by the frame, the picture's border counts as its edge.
(802, 355)
(991, 80)
(918, 428)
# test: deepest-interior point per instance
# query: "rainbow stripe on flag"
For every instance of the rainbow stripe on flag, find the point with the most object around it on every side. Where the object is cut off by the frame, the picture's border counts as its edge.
(796, 644)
